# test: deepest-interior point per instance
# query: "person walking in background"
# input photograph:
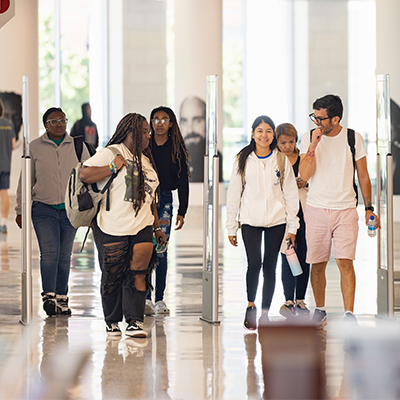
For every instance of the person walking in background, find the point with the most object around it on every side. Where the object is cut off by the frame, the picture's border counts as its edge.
(86, 128)
(263, 198)
(124, 233)
(7, 145)
(328, 165)
(294, 287)
(171, 158)
(53, 156)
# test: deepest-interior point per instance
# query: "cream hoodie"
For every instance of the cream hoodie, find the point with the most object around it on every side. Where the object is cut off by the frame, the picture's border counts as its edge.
(263, 203)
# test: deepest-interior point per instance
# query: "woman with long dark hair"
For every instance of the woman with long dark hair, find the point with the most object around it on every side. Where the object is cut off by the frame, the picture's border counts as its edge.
(124, 233)
(171, 158)
(262, 199)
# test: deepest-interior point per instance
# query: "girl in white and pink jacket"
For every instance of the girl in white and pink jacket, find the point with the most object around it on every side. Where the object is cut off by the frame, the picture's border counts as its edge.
(262, 200)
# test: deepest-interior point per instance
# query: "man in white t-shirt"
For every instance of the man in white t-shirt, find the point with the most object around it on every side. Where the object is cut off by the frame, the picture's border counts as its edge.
(327, 164)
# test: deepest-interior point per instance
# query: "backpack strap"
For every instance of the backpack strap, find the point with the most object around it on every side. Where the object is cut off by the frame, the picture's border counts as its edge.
(109, 182)
(281, 158)
(78, 142)
(351, 140)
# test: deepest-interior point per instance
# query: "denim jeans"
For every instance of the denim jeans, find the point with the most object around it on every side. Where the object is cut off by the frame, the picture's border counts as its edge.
(55, 236)
(164, 212)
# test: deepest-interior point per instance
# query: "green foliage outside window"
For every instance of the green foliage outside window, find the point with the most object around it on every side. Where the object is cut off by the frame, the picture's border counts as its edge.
(233, 84)
(74, 74)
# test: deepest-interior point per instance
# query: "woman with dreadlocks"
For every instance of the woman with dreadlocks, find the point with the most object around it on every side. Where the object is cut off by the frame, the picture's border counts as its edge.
(124, 233)
(171, 157)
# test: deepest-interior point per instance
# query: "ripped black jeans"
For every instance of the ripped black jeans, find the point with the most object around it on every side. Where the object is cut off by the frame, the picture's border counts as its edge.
(119, 296)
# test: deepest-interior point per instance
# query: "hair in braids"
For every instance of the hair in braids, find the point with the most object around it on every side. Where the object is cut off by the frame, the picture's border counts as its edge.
(178, 144)
(134, 123)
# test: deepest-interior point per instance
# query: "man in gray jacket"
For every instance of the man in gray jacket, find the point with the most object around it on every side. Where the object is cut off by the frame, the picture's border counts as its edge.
(53, 156)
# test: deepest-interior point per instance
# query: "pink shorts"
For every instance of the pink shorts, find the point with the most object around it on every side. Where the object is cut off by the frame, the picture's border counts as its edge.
(323, 225)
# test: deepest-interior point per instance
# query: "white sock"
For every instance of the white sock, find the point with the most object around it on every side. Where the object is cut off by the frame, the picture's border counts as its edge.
(348, 312)
(321, 308)
(3, 221)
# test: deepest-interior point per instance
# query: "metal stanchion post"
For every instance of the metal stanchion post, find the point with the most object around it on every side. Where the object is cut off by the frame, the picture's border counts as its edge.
(385, 272)
(26, 273)
(211, 207)
(390, 259)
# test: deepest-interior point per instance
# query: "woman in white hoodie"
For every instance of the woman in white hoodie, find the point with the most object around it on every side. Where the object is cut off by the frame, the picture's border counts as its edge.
(262, 199)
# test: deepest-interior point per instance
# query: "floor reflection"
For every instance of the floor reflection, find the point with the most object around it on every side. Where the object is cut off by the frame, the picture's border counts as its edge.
(5, 260)
(253, 380)
(183, 357)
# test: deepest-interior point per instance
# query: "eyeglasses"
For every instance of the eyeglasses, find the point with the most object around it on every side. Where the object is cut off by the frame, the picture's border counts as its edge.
(318, 120)
(55, 122)
(163, 121)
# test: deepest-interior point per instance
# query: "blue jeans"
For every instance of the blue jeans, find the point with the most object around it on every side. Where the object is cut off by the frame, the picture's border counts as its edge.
(295, 287)
(164, 212)
(55, 236)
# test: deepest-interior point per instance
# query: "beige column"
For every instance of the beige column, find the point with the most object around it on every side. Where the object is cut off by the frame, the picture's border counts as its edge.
(19, 57)
(328, 59)
(388, 62)
(387, 55)
(198, 53)
(144, 56)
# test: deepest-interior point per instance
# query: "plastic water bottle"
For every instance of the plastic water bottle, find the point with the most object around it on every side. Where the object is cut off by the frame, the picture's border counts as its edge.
(371, 226)
(293, 261)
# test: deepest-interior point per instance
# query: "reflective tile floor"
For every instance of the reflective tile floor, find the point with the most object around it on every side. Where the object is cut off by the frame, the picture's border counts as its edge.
(185, 357)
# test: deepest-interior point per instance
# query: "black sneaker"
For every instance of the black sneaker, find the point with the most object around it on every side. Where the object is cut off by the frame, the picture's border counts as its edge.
(112, 329)
(350, 317)
(135, 329)
(250, 320)
(62, 305)
(288, 310)
(319, 318)
(50, 304)
(301, 308)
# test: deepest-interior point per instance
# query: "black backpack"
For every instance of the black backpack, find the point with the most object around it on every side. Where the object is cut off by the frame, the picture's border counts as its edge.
(78, 142)
(351, 140)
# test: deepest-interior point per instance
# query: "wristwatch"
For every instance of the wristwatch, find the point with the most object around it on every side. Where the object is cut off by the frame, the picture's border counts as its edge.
(156, 229)
(370, 208)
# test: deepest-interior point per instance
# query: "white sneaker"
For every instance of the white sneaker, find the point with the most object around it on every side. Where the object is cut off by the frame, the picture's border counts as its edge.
(149, 308)
(161, 307)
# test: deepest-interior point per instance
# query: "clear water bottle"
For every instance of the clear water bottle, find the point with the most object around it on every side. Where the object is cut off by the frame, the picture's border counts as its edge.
(371, 226)
(292, 260)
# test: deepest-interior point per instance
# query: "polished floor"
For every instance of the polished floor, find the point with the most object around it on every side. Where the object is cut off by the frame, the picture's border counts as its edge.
(185, 357)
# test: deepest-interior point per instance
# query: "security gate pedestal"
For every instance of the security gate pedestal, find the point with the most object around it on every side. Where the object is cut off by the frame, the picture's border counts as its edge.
(211, 207)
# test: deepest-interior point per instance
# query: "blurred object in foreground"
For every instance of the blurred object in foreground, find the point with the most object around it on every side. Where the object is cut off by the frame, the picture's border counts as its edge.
(293, 361)
(372, 366)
